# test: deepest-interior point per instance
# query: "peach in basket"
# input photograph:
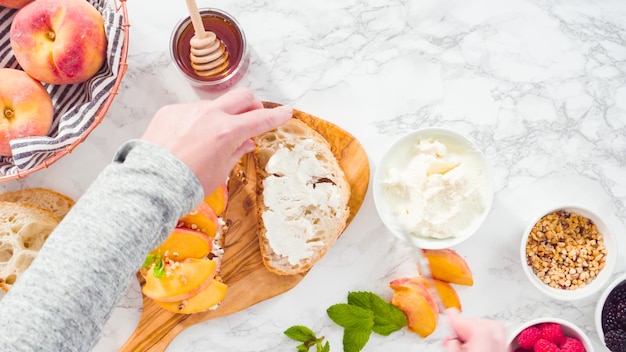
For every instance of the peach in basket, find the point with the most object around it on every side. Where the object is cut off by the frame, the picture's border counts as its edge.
(25, 108)
(59, 41)
(78, 108)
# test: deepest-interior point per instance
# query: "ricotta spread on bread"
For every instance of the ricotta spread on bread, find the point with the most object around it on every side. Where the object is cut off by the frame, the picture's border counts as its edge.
(302, 199)
(292, 187)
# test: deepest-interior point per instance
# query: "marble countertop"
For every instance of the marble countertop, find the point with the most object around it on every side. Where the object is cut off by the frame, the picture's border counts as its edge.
(539, 86)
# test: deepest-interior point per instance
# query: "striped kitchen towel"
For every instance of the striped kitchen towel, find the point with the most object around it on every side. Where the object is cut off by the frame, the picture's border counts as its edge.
(76, 106)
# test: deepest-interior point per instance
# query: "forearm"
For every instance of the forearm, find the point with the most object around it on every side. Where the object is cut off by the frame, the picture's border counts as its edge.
(68, 292)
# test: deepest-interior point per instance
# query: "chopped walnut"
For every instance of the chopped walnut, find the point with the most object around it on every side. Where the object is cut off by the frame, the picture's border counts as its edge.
(565, 250)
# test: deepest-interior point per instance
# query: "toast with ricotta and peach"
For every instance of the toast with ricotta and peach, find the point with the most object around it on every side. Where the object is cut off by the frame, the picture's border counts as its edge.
(302, 197)
(182, 274)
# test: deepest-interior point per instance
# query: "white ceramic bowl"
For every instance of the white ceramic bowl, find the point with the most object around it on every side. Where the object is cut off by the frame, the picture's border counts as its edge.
(600, 305)
(398, 155)
(569, 329)
(595, 285)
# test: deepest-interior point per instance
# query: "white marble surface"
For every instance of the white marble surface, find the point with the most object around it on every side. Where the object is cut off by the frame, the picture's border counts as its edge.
(538, 85)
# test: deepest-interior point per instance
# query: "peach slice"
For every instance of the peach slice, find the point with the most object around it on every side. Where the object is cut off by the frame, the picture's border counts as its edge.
(202, 219)
(185, 243)
(448, 294)
(203, 300)
(218, 199)
(182, 280)
(447, 265)
(413, 298)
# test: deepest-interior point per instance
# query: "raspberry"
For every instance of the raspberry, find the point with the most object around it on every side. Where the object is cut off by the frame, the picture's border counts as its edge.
(544, 345)
(527, 338)
(552, 332)
(571, 344)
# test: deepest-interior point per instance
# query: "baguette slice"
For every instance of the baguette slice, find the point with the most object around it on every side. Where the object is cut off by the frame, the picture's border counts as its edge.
(44, 198)
(23, 230)
(302, 197)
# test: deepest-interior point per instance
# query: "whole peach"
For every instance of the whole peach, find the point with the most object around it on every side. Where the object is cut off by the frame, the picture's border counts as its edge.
(14, 4)
(59, 41)
(25, 108)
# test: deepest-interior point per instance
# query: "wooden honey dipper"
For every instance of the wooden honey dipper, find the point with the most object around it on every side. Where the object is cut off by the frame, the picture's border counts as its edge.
(208, 54)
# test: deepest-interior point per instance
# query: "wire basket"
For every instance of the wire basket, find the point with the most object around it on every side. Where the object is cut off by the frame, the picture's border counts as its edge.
(78, 108)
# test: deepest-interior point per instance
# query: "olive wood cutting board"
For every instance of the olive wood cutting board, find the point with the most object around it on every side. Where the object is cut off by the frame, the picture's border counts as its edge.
(249, 282)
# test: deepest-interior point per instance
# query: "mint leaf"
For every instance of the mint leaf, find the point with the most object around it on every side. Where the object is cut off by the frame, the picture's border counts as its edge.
(305, 335)
(159, 267)
(326, 348)
(357, 321)
(159, 264)
(355, 339)
(150, 258)
(351, 317)
(362, 299)
(387, 317)
(300, 333)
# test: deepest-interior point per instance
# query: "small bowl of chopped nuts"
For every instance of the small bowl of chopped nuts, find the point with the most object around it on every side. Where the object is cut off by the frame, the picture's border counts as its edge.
(568, 253)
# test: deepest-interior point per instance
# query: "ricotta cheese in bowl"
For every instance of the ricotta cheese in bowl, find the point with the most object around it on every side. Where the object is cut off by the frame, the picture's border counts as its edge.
(433, 187)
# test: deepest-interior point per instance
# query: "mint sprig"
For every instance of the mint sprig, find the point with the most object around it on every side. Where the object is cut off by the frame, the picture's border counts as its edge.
(159, 264)
(387, 317)
(365, 313)
(305, 335)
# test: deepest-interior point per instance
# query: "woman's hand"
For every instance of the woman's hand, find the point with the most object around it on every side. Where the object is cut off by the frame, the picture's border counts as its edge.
(210, 136)
(475, 335)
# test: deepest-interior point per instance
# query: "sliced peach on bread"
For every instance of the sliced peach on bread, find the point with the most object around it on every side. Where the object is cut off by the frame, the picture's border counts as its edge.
(180, 281)
(200, 302)
(447, 265)
(412, 297)
(218, 199)
(185, 243)
(202, 219)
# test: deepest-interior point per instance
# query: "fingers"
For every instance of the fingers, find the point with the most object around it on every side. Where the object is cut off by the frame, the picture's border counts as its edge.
(462, 327)
(256, 122)
(499, 333)
(238, 101)
(452, 345)
(482, 335)
(246, 147)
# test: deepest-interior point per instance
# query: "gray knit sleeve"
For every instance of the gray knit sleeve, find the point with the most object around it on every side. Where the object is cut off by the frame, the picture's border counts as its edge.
(62, 301)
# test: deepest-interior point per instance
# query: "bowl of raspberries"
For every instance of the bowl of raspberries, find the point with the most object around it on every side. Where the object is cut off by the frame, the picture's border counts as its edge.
(610, 315)
(549, 335)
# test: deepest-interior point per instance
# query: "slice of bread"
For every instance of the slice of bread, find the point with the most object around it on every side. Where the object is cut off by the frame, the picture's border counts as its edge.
(23, 230)
(302, 197)
(44, 198)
